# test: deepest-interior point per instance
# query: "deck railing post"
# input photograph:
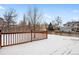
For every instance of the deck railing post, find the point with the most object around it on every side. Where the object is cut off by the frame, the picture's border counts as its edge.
(0, 38)
(31, 35)
(46, 33)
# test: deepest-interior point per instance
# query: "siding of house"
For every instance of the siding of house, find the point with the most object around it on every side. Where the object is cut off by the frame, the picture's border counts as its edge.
(71, 27)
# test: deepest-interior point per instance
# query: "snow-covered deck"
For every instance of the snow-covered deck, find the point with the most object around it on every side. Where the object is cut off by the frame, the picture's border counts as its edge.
(54, 45)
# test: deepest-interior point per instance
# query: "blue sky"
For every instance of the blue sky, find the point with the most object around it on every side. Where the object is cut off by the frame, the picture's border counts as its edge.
(67, 12)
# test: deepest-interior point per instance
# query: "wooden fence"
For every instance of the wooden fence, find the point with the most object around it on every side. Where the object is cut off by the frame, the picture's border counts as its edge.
(14, 38)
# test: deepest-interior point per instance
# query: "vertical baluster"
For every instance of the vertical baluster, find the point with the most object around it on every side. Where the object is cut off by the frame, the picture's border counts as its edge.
(17, 37)
(13, 38)
(22, 37)
(25, 37)
(6, 39)
(31, 35)
(10, 39)
(0, 39)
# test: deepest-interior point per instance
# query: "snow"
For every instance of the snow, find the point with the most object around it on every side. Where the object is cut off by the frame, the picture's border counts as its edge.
(54, 45)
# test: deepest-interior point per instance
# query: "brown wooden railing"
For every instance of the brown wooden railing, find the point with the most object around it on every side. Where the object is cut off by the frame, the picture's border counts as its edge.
(13, 38)
(0, 39)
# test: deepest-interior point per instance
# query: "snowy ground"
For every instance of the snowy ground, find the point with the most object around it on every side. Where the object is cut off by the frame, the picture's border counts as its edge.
(54, 45)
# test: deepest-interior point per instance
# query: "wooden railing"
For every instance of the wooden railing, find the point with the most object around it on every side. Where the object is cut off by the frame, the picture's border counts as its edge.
(14, 38)
(0, 39)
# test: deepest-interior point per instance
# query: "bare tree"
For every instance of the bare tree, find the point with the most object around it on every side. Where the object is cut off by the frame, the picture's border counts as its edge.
(9, 17)
(23, 22)
(58, 21)
(34, 16)
(46, 25)
(53, 22)
(1, 23)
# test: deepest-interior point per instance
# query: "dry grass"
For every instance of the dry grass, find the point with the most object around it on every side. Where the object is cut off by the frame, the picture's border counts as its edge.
(75, 34)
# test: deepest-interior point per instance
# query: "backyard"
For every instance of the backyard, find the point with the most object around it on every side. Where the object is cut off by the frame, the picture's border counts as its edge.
(54, 45)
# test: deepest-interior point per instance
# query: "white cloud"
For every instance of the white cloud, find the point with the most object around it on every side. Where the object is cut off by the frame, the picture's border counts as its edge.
(75, 11)
(75, 18)
(47, 16)
(1, 7)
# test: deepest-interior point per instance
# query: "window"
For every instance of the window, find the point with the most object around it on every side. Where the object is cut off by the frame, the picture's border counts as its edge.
(68, 25)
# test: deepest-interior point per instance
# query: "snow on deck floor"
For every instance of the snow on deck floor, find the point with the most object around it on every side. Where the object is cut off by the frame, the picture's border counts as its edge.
(54, 45)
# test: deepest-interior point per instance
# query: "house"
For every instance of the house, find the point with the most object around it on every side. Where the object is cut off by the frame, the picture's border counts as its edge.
(71, 27)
